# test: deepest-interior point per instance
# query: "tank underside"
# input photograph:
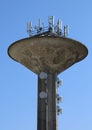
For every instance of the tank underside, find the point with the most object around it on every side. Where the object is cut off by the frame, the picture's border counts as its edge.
(51, 54)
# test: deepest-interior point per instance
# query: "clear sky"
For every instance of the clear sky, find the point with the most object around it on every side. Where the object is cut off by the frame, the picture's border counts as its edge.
(18, 85)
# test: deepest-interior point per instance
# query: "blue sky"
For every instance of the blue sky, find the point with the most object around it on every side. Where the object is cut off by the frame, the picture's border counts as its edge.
(18, 85)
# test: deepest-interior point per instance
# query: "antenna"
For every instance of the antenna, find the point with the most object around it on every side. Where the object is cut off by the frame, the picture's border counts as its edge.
(59, 82)
(43, 75)
(59, 110)
(39, 21)
(29, 28)
(59, 98)
(66, 30)
(51, 23)
(59, 27)
(39, 27)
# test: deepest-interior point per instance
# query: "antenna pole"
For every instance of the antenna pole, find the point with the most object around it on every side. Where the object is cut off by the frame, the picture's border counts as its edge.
(59, 27)
(29, 28)
(51, 23)
(66, 31)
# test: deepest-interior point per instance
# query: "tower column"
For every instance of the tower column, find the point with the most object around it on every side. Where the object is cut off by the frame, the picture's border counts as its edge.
(47, 102)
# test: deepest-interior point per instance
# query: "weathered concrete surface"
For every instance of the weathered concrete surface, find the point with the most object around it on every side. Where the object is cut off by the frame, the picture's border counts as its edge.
(47, 107)
(47, 53)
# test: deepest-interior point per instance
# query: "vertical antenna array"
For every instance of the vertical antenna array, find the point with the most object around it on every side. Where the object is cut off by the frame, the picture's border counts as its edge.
(66, 30)
(59, 98)
(50, 29)
(59, 27)
(29, 28)
(51, 23)
(39, 28)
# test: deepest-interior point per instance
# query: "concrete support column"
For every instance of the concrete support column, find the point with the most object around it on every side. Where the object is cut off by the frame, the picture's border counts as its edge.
(47, 103)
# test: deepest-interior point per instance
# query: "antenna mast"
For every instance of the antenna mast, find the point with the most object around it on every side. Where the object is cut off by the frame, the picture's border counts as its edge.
(29, 28)
(51, 23)
(56, 30)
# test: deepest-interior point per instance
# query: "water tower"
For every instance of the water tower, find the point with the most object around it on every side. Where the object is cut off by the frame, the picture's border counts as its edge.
(47, 52)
